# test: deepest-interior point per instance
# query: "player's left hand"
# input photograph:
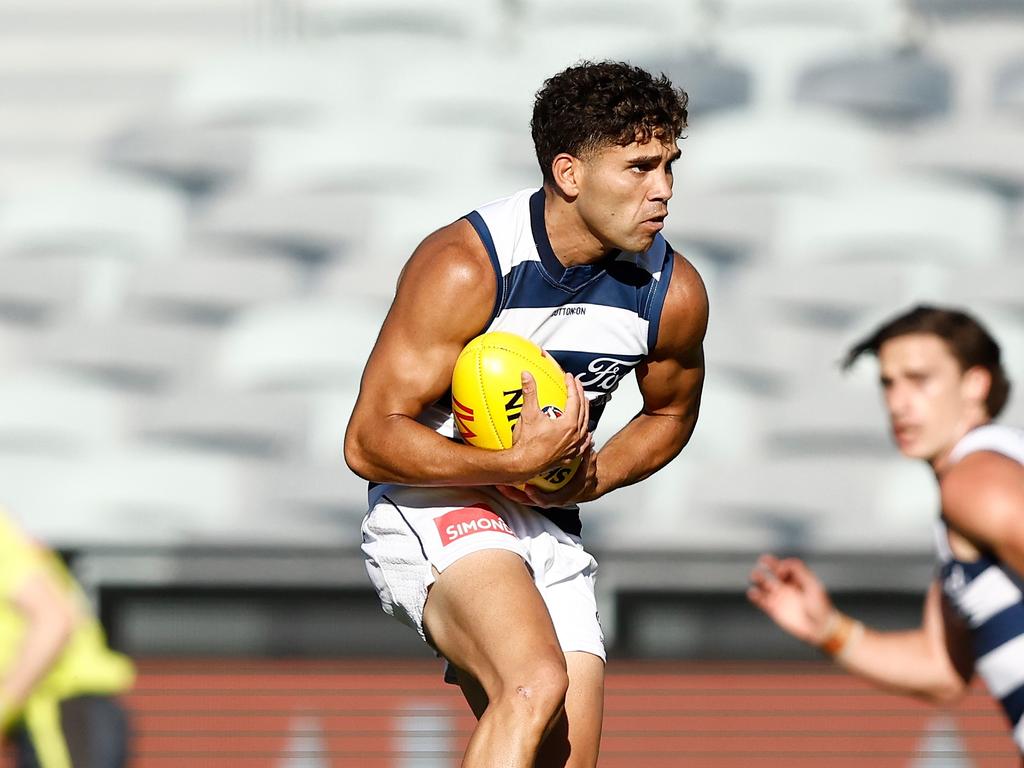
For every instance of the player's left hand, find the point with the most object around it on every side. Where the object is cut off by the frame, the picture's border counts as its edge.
(582, 487)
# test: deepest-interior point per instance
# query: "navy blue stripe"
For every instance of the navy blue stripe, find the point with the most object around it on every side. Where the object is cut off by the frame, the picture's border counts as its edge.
(399, 511)
(566, 519)
(531, 288)
(999, 629)
(653, 315)
(540, 236)
(484, 233)
(1013, 705)
(575, 277)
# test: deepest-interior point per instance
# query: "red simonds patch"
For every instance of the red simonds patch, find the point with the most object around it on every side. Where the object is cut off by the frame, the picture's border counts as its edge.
(479, 518)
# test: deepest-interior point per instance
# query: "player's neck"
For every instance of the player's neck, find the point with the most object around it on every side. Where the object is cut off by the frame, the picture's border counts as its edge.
(941, 461)
(571, 239)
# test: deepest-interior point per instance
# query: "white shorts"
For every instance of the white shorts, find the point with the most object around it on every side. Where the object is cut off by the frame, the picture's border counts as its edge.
(411, 530)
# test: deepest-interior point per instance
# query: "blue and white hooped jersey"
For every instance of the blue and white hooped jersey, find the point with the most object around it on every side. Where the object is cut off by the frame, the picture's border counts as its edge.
(599, 321)
(988, 594)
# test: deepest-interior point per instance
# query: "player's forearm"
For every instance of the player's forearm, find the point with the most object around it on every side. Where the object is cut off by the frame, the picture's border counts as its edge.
(41, 645)
(901, 662)
(620, 462)
(403, 451)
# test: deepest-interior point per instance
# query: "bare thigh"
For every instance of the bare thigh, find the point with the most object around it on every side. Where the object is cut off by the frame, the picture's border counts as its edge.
(485, 615)
(574, 741)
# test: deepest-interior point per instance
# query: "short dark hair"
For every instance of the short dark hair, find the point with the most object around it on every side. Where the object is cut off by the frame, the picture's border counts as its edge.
(592, 105)
(967, 339)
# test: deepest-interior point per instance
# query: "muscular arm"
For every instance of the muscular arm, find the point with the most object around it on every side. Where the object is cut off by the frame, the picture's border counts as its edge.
(445, 297)
(49, 620)
(670, 382)
(983, 500)
(931, 662)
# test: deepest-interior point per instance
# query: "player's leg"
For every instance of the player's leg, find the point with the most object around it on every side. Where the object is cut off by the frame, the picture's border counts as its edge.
(574, 739)
(96, 731)
(484, 613)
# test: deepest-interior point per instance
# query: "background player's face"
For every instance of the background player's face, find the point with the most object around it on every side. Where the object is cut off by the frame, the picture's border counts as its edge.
(932, 403)
(624, 192)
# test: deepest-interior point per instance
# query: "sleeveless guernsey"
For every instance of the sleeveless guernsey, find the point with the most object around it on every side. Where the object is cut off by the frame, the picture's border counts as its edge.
(989, 594)
(599, 321)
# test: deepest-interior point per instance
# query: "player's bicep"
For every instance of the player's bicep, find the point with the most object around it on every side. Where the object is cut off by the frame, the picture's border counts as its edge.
(672, 387)
(444, 298)
(672, 377)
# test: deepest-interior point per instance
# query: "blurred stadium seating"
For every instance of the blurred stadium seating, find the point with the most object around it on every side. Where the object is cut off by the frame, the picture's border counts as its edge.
(204, 207)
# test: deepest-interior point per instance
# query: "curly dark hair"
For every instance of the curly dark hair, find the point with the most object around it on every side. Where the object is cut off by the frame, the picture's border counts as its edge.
(967, 339)
(593, 105)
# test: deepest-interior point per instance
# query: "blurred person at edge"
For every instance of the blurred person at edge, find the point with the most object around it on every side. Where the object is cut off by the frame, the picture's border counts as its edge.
(943, 381)
(57, 676)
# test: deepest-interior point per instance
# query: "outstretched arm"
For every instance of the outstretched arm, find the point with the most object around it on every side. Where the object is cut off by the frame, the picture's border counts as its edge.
(932, 662)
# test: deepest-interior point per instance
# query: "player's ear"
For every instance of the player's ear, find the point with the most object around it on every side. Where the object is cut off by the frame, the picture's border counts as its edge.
(565, 170)
(976, 384)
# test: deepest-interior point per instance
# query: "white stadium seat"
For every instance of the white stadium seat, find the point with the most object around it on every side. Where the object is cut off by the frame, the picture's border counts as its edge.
(37, 290)
(710, 81)
(775, 54)
(1008, 89)
(305, 225)
(256, 424)
(331, 154)
(767, 151)
(141, 356)
(267, 85)
(50, 414)
(995, 285)
(873, 16)
(298, 345)
(195, 158)
(889, 87)
(814, 502)
(45, 494)
(448, 20)
(733, 228)
(979, 150)
(164, 496)
(101, 214)
(209, 285)
(895, 217)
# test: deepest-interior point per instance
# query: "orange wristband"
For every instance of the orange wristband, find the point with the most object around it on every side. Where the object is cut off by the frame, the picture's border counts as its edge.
(838, 637)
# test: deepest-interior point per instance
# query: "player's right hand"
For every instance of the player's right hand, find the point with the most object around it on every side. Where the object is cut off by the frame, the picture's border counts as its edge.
(792, 596)
(539, 441)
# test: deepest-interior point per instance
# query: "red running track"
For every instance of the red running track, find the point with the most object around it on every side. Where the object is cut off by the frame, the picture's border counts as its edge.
(379, 713)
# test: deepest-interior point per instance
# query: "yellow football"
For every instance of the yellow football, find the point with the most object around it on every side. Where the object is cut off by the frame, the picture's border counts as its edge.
(487, 394)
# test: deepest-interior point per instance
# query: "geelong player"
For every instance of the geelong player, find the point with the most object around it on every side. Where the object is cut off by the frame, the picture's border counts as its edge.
(944, 383)
(578, 267)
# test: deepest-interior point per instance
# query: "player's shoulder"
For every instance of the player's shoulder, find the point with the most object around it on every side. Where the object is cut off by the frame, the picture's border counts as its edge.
(684, 317)
(987, 478)
(453, 255)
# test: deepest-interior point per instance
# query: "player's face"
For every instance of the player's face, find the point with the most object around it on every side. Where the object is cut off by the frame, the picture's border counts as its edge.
(927, 395)
(624, 192)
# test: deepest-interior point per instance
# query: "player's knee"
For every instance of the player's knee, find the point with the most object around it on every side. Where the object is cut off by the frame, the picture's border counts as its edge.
(537, 696)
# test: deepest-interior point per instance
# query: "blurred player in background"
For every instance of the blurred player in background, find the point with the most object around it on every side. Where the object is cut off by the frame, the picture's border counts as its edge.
(57, 676)
(580, 268)
(943, 381)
